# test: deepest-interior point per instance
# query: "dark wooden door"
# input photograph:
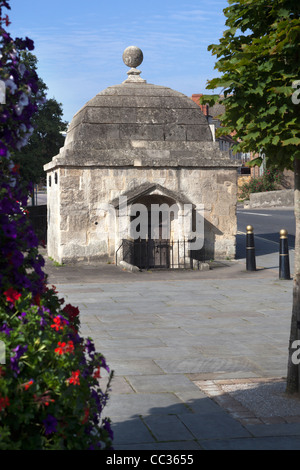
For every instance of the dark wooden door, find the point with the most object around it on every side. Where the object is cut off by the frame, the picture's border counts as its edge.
(153, 252)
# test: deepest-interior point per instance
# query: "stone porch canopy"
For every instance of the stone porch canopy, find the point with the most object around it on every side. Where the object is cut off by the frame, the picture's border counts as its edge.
(127, 136)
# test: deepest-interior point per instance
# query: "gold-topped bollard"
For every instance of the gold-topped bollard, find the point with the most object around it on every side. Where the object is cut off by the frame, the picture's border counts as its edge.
(250, 249)
(284, 262)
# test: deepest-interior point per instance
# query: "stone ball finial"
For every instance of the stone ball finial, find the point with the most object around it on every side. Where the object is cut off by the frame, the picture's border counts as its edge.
(132, 56)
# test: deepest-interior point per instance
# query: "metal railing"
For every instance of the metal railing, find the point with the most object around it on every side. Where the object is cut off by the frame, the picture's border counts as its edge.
(38, 219)
(160, 254)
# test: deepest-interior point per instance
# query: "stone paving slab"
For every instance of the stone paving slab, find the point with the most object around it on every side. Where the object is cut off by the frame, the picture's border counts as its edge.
(216, 426)
(168, 428)
(163, 333)
(264, 443)
(162, 446)
(133, 366)
(131, 432)
(278, 429)
(160, 383)
(145, 404)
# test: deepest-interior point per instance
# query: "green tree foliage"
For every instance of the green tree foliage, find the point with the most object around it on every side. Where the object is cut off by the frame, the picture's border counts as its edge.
(258, 57)
(258, 60)
(44, 143)
(47, 137)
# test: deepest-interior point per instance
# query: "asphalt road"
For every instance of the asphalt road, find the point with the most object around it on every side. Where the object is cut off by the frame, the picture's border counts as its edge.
(266, 224)
(41, 199)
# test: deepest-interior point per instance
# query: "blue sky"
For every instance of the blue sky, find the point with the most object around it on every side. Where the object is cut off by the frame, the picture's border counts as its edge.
(79, 45)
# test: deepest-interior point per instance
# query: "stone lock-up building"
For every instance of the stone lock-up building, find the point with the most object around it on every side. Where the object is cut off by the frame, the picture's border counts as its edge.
(140, 179)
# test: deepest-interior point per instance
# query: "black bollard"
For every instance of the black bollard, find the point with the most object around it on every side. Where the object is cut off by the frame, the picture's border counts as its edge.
(250, 250)
(284, 262)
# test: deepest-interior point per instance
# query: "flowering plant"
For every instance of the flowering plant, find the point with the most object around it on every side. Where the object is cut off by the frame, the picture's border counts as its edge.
(50, 397)
(269, 181)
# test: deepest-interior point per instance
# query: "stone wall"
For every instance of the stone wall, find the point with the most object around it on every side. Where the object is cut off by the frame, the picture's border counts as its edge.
(139, 140)
(281, 198)
(82, 224)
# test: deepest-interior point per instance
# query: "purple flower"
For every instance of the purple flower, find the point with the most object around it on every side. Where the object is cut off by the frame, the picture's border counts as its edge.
(104, 365)
(22, 280)
(14, 361)
(106, 426)
(17, 259)
(3, 149)
(23, 99)
(89, 346)
(43, 322)
(23, 317)
(11, 85)
(98, 396)
(38, 269)
(4, 329)
(29, 44)
(10, 230)
(5, 4)
(6, 205)
(31, 239)
(50, 424)
(42, 310)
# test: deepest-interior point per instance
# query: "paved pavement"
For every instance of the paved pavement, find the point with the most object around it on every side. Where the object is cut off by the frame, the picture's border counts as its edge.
(199, 358)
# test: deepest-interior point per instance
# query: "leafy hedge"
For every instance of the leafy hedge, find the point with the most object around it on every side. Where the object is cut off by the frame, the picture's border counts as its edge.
(50, 397)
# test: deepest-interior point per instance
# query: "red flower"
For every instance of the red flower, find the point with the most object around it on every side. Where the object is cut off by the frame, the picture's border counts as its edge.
(72, 312)
(74, 379)
(86, 415)
(16, 168)
(64, 348)
(37, 300)
(6, 19)
(28, 384)
(58, 323)
(12, 295)
(43, 400)
(97, 374)
(4, 402)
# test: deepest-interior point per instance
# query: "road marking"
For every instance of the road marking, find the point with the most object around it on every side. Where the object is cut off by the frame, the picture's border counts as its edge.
(254, 213)
(262, 238)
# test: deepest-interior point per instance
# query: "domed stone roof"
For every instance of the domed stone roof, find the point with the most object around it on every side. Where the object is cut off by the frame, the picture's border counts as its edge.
(138, 121)
(139, 111)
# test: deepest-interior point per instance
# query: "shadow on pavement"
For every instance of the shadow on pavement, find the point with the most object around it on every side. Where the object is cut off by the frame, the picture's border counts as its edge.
(252, 416)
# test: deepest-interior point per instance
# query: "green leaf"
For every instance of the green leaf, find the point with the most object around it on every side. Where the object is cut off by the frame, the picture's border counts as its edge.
(276, 140)
(254, 162)
(209, 99)
(284, 90)
(291, 141)
(251, 135)
(258, 60)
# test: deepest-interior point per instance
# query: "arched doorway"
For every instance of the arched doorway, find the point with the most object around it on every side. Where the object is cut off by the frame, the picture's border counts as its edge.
(153, 220)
